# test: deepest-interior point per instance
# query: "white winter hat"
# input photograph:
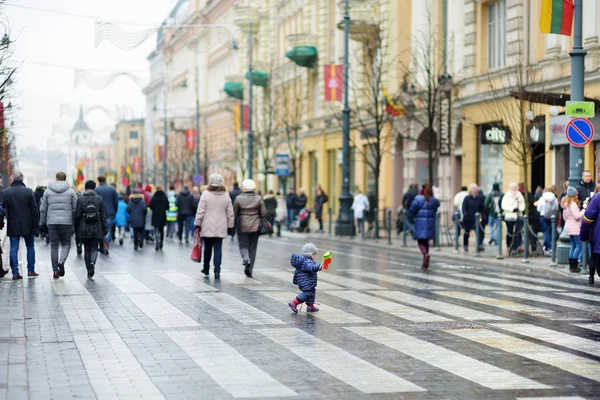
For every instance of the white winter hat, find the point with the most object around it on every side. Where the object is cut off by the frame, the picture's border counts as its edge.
(309, 249)
(215, 180)
(248, 185)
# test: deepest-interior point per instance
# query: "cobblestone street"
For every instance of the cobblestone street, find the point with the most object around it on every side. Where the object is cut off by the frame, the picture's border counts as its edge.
(150, 326)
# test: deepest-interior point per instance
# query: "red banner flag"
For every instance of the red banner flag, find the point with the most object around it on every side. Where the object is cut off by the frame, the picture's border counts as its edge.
(190, 139)
(334, 82)
(137, 164)
(162, 153)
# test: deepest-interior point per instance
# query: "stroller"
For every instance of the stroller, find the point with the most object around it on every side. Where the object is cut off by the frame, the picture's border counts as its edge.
(301, 222)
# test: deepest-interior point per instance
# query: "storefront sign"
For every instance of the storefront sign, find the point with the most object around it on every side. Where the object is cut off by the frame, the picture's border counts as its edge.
(537, 133)
(494, 133)
(581, 109)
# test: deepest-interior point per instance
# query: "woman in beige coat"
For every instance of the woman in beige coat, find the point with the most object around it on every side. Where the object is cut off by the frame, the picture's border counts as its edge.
(214, 219)
(249, 210)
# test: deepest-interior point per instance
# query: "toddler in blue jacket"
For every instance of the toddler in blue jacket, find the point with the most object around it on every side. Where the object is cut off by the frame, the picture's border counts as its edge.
(305, 276)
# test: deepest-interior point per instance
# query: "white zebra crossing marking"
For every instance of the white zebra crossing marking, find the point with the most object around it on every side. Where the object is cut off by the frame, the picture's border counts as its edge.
(584, 296)
(490, 301)
(326, 313)
(187, 282)
(348, 282)
(389, 307)
(163, 313)
(567, 362)
(344, 366)
(554, 337)
(549, 282)
(506, 282)
(466, 367)
(238, 279)
(446, 308)
(549, 300)
(226, 366)
(551, 398)
(593, 327)
(451, 281)
(287, 277)
(394, 280)
(127, 283)
(243, 312)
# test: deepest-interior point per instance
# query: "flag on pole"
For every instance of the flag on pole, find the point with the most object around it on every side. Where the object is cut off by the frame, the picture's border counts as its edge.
(159, 153)
(334, 82)
(236, 115)
(127, 177)
(391, 107)
(137, 164)
(190, 139)
(557, 16)
(80, 178)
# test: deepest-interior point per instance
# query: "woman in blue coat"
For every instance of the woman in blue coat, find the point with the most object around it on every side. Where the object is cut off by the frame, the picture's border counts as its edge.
(423, 210)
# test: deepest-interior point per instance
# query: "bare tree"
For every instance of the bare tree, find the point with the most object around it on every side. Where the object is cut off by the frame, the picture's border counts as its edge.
(7, 74)
(265, 131)
(241, 152)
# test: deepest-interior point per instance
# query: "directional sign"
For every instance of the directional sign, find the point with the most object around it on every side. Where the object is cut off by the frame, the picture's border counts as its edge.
(580, 132)
(198, 179)
(585, 109)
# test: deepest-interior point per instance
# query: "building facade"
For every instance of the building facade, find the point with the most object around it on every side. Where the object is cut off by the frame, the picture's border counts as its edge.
(129, 157)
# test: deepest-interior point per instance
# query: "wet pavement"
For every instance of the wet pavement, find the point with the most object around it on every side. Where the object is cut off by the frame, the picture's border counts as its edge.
(150, 326)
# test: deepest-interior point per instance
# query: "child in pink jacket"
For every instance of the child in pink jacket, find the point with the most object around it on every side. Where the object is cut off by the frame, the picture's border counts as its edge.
(572, 216)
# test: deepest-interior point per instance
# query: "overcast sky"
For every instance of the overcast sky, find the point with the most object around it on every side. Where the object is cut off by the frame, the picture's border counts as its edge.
(51, 46)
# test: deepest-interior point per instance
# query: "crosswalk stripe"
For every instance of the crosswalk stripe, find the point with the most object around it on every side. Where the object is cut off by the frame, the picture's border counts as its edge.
(399, 310)
(348, 282)
(238, 279)
(326, 313)
(549, 300)
(394, 280)
(287, 277)
(450, 281)
(593, 327)
(584, 296)
(238, 309)
(69, 285)
(446, 308)
(338, 363)
(163, 313)
(548, 282)
(186, 282)
(226, 366)
(113, 369)
(83, 313)
(466, 367)
(490, 301)
(552, 398)
(127, 283)
(554, 337)
(568, 362)
(505, 282)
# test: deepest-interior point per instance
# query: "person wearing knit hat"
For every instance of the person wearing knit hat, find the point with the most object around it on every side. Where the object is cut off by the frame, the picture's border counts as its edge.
(305, 276)
(572, 216)
(249, 210)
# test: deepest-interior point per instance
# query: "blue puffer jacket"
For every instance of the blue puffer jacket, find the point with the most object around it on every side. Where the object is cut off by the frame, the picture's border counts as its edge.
(305, 275)
(424, 214)
(121, 217)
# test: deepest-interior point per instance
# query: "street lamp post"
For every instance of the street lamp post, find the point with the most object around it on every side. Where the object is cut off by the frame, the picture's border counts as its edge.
(250, 132)
(344, 225)
(577, 93)
(166, 131)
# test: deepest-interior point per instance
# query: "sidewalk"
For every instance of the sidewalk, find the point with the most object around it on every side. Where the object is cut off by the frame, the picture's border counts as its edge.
(537, 264)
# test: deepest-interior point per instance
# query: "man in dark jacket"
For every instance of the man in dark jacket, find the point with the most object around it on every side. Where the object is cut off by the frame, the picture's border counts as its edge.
(290, 202)
(38, 193)
(474, 203)
(111, 203)
(409, 196)
(159, 206)
(90, 224)
(301, 200)
(586, 187)
(235, 192)
(185, 204)
(137, 211)
(23, 218)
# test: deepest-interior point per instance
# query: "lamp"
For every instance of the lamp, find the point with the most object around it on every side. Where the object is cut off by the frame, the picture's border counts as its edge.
(530, 115)
(554, 110)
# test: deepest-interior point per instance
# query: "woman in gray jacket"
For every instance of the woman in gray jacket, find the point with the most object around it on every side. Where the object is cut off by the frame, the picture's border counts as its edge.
(249, 209)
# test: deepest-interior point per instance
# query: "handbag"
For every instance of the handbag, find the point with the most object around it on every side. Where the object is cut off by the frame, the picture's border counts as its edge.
(265, 227)
(197, 250)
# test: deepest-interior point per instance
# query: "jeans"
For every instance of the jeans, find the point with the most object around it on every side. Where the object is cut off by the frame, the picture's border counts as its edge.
(290, 218)
(186, 224)
(110, 220)
(14, 253)
(59, 234)
(575, 251)
(493, 223)
(547, 230)
(90, 247)
(360, 224)
(171, 228)
(210, 244)
(248, 242)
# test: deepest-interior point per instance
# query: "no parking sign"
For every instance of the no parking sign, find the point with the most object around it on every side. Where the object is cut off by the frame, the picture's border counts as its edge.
(580, 132)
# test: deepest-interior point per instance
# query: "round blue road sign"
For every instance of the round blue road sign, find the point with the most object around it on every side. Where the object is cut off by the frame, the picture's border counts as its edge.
(198, 179)
(580, 132)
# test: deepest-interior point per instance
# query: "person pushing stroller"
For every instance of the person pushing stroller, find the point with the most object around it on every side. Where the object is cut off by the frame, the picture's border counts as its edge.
(305, 276)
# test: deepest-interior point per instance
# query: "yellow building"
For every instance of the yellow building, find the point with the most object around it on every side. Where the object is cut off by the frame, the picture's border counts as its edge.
(128, 143)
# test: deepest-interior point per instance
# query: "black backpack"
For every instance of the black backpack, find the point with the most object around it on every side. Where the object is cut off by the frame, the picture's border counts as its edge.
(90, 213)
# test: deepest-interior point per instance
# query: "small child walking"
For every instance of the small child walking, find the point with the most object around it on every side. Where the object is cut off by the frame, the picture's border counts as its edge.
(305, 276)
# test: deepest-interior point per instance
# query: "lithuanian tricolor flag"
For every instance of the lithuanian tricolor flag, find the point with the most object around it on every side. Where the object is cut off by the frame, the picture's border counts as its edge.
(391, 107)
(80, 177)
(127, 177)
(557, 17)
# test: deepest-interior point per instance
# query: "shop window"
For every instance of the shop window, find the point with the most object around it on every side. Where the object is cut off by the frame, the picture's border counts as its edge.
(133, 152)
(496, 34)
(492, 138)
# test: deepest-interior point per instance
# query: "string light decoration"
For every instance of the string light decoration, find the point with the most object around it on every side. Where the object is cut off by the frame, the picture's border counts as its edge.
(99, 82)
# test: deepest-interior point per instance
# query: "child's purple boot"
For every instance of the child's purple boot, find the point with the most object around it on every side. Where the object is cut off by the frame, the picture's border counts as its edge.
(311, 308)
(294, 303)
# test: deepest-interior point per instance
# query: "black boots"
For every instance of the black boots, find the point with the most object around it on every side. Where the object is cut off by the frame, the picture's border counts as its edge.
(573, 266)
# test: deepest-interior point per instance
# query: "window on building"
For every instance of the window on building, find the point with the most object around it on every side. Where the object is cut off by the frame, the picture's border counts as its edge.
(496, 34)
(133, 152)
(133, 134)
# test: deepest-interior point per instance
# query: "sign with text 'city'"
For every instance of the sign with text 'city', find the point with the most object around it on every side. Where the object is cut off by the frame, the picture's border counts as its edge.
(494, 133)
(282, 164)
(580, 132)
(585, 109)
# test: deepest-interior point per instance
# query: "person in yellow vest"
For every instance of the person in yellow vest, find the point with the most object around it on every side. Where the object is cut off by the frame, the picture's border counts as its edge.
(172, 213)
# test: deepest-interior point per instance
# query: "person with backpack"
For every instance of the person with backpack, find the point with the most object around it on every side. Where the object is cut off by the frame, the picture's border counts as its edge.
(137, 211)
(547, 207)
(494, 211)
(90, 224)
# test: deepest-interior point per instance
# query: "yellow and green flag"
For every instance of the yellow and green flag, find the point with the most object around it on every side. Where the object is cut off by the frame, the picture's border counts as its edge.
(80, 178)
(557, 17)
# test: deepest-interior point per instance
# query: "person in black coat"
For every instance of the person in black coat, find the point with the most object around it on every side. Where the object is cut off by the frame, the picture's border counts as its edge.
(290, 203)
(187, 213)
(159, 206)
(474, 203)
(320, 200)
(22, 221)
(137, 217)
(90, 224)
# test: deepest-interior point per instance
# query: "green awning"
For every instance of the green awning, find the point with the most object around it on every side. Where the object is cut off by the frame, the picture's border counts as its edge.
(259, 78)
(234, 89)
(304, 56)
